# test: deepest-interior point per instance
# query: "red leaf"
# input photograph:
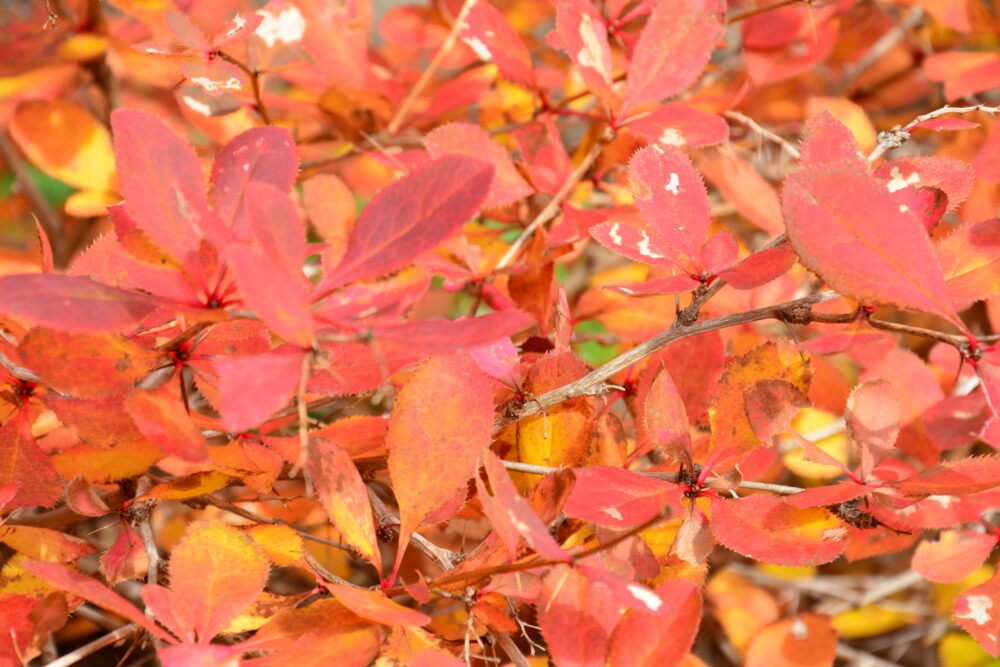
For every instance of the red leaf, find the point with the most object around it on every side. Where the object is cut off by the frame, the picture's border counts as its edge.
(953, 556)
(770, 407)
(276, 226)
(873, 415)
(259, 155)
(576, 617)
(968, 475)
(252, 388)
(760, 268)
(681, 125)
(83, 499)
(72, 303)
(161, 180)
(830, 143)
(941, 124)
(412, 215)
(97, 593)
(44, 246)
(487, 32)
(512, 516)
(467, 139)
(682, 282)
(719, 252)
(671, 196)
(743, 186)
(672, 50)
(281, 300)
(441, 424)
(829, 211)
(582, 30)
(618, 498)
(976, 610)
(23, 463)
(215, 573)
(658, 640)
(634, 243)
(449, 335)
(162, 419)
(768, 529)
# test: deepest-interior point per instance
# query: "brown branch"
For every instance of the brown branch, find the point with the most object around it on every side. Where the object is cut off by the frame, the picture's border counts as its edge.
(387, 519)
(89, 649)
(255, 77)
(593, 384)
(743, 16)
(432, 68)
(898, 135)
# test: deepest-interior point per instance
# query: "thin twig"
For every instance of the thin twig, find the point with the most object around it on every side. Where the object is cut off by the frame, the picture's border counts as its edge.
(768, 134)
(255, 85)
(386, 518)
(141, 515)
(552, 207)
(898, 135)
(79, 654)
(742, 16)
(593, 384)
(432, 68)
(881, 46)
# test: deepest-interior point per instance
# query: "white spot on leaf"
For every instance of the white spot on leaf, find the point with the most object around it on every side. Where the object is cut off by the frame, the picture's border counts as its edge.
(591, 55)
(672, 137)
(645, 596)
(615, 236)
(645, 250)
(674, 185)
(979, 609)
(287, 27)
(198, 107)
(613, 511)
(232, 83)
(238, 23)
(898, 182)
(479, 47)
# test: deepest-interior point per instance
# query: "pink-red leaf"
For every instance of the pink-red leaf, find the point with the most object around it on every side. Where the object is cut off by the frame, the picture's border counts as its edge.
(412, 215)
(618, 498)
(487, 32)
(72, 303)
(582, 30)
(375, 606)
(681, 125)
(673, 49)
(671, 196)
(970, 262)
(162, 419)
(759, 268)
(450, 335)
(633, 243)
(467, 139)
(251, 388)
(829, 212)
(658, 640)
(259, 155)
(968, 475)
(280, 299)
(24, 464)
(768, 529)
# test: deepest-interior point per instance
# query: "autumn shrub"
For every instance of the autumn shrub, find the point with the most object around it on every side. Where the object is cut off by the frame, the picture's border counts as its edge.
(605, 332)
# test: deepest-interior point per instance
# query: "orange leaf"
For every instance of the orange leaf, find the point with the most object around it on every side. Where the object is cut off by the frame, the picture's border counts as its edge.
(164, 421)
(344, 496)
(21, 461)
(188, 486)
(441, 425)
(970, 262)
(953, 556)
(807, 640)
(647, 639)
(217, 572)
(375, 606)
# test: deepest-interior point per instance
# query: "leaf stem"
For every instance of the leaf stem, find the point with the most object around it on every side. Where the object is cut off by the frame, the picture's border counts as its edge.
(432, 68)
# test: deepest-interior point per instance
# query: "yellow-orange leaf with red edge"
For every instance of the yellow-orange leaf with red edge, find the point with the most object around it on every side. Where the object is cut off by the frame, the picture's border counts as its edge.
(731, 427)
(218, 572)
(165, 422)
(970, 262)
(805, 640)
(344, 496)
(440, 427)
(188, 486)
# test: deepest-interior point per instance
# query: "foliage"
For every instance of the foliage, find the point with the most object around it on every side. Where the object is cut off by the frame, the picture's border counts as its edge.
(479, 330)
